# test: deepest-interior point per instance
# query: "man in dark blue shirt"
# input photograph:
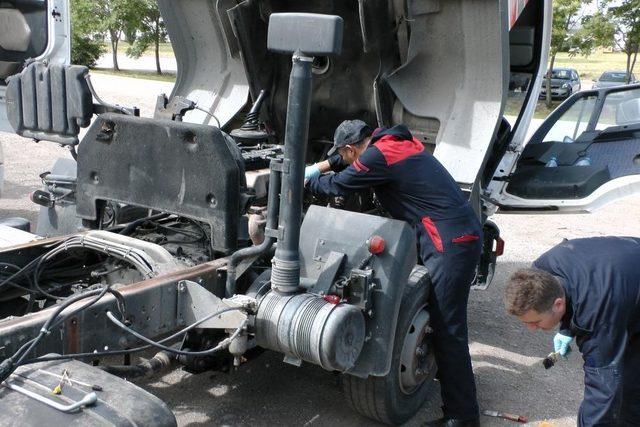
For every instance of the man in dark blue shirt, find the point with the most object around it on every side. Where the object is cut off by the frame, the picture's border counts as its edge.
(413, 186)
(591, 289)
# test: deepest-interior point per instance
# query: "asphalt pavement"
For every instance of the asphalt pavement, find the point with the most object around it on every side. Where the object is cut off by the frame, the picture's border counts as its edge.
(506, 357)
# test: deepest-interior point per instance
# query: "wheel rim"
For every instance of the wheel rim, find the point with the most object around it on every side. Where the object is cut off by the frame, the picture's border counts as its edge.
(417, 363)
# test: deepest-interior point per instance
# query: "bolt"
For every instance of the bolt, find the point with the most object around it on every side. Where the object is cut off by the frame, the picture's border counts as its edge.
(420, 352)
(419, 372)
(370, 313)
(181, 286)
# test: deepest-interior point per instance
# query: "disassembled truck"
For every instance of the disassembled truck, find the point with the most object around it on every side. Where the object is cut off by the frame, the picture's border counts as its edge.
(190, 231)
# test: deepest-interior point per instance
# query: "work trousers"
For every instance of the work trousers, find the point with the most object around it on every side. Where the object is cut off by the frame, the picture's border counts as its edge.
(605, 402)
(450, 250)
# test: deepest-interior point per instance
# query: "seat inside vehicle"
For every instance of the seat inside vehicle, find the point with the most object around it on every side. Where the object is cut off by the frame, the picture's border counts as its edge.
(609, 160)
(23, 33)
(15, 36)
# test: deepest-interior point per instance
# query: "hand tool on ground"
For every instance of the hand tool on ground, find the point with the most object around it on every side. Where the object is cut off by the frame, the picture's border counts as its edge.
(93, 387)
(505, 415)
(88, 399)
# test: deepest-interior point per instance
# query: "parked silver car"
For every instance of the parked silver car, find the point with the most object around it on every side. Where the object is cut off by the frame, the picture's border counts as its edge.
(564, 82)
(613, 78)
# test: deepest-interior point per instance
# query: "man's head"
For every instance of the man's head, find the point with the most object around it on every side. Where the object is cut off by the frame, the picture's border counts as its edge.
(536, 298)
(351, 139)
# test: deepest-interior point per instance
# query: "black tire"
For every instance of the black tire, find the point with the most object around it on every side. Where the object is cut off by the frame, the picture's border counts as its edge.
(383, 398)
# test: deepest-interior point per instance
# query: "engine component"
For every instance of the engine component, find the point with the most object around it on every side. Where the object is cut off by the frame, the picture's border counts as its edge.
(148, 258)
(307, 327)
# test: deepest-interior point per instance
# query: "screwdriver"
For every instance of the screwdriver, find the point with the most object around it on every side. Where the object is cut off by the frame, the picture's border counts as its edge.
(506, 416)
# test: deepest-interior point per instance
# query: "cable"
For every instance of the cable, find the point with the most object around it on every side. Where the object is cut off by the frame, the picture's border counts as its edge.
(24, 350)
(211, 114)
(11, 363)
(131, 350)
(223, 344)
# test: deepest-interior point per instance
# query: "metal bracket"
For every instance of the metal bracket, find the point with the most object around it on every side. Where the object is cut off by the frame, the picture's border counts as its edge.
(195, 303)
(361, 288)
(329, 272)
(282, 166)
(278, 234)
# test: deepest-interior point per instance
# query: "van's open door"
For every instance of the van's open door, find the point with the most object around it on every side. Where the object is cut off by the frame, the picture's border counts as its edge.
(31, 30)
(584, 155)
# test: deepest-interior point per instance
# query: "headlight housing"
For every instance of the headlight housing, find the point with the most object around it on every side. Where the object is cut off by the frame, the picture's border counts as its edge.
(565, 86)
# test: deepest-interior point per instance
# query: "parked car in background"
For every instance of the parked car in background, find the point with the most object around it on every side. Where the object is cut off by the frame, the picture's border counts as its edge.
(613, 78)
(564, 82)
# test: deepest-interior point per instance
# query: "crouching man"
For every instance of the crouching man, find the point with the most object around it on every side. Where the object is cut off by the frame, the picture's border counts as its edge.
(591, 289)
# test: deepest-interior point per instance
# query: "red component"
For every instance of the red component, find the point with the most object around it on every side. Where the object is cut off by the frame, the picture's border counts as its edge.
(333, 299)
(465, 238)
(376, 245)
(432, 230)
(499, 246)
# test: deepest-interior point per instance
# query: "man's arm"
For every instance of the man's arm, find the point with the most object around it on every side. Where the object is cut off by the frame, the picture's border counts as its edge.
(368, 171)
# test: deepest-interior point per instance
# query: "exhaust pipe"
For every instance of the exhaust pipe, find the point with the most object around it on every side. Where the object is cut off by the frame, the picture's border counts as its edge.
(304, 35)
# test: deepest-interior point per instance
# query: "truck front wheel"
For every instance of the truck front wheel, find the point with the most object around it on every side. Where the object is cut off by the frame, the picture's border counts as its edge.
(396, 397)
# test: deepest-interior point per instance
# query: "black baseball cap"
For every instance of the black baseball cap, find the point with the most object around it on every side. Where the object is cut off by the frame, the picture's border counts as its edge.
(349, 132)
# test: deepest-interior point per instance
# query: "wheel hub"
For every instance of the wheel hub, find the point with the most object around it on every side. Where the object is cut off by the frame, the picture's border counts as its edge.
(417, 363)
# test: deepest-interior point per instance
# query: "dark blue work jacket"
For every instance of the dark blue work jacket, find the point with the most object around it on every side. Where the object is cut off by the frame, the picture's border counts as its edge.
(410, 182)
(601, 278)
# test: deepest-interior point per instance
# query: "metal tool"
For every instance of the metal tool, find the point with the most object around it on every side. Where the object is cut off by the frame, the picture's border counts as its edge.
(88, 399)
(93, 387)
(506, 416)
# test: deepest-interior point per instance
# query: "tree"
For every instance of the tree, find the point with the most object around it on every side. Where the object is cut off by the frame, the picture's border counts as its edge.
(566, 17)
(87, 44)
(625, 20)
(115, 17)
(150, 31)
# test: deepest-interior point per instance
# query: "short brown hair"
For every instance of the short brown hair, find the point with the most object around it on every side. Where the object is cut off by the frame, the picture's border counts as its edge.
(531, 289)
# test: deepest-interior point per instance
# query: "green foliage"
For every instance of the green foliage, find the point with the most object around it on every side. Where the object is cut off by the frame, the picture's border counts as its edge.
(565, 19)
(623, 27)
(150, 31)
(86, 50)
(86, 43)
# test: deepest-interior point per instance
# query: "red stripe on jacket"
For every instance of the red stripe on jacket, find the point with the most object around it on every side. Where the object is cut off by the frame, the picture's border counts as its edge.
(359, 166)
(395, 150)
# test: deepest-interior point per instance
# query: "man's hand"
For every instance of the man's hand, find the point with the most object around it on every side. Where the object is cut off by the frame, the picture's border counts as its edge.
(311, 172)
(561, 344)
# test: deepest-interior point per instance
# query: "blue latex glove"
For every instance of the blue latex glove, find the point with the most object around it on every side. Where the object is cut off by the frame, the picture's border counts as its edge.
(561, 344)
(311, 172)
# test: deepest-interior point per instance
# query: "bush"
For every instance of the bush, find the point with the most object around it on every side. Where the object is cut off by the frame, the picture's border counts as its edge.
(86, 50)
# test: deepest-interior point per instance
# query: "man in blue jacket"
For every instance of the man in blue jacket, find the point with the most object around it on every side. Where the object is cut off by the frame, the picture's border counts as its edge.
(591, 288)
(413, 186)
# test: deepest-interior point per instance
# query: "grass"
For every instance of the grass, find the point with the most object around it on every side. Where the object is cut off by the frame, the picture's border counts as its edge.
(166, 50)
(592, 66)
(148, 75)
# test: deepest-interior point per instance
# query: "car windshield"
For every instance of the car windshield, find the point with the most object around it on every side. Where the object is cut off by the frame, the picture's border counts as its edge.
(561, 74)
(614, 77)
